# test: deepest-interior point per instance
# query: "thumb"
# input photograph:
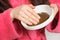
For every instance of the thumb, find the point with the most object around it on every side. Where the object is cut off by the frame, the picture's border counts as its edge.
(54, 7)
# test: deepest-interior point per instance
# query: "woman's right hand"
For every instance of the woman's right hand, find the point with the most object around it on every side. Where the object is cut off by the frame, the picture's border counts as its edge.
(26, 14)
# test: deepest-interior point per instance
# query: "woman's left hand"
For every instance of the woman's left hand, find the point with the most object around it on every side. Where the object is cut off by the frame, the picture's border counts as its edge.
(55, 8)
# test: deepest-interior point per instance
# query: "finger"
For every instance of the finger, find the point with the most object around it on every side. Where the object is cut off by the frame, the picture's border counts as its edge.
(31, 16)
(33, 12)
(27, 18)
(24, 20)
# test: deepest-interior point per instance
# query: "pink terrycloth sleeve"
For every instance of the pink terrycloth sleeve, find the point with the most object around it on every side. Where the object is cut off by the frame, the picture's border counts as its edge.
(15, 3)
(7, 29)
(56, 21)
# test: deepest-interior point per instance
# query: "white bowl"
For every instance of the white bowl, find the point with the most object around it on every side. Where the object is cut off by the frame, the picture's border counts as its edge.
(39, 9)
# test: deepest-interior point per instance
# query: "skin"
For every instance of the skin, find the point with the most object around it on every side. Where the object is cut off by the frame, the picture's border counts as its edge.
(26, 13)
(55, 8)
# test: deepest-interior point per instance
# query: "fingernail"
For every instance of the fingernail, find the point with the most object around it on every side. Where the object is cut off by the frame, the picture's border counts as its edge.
(30, 24)
(39, 17)
(35, 22)
(38, 21)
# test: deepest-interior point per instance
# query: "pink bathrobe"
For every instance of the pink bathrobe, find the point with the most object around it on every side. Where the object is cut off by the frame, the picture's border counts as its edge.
(11, 30)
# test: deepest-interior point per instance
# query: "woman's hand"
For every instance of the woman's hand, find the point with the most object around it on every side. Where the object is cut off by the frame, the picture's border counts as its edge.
(26, 14)
(55, 8)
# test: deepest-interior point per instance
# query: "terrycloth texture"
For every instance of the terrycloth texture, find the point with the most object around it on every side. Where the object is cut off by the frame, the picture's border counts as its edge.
(15, 3)
(11, 30)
